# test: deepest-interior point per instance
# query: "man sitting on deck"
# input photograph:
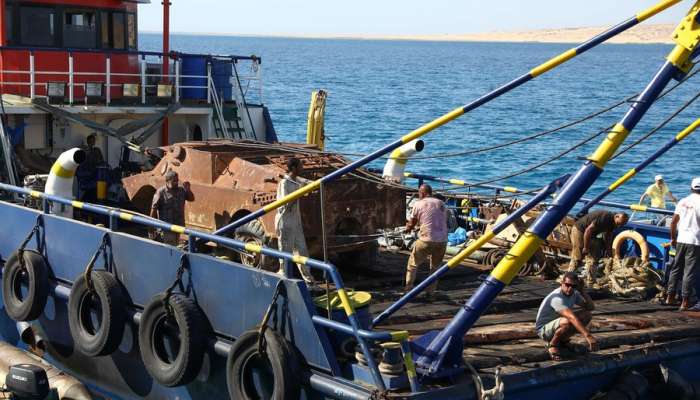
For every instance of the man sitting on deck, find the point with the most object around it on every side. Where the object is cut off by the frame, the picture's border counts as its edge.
(557, 322)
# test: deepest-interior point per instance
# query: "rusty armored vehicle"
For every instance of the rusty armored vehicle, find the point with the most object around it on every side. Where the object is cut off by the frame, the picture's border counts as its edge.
(231, 179)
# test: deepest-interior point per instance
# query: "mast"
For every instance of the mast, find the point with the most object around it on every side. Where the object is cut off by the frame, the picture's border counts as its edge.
(165, 139)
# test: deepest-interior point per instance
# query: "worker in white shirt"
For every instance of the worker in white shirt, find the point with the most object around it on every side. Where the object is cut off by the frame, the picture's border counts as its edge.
(685, 237)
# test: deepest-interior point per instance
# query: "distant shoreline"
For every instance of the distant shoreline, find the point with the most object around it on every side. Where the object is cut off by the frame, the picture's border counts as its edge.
(642, 34)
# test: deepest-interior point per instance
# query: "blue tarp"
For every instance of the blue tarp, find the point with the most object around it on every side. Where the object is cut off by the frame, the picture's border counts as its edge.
(459, 236)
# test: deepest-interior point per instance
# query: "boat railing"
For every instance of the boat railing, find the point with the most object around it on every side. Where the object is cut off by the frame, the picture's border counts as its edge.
(101, 75)
(353, 328)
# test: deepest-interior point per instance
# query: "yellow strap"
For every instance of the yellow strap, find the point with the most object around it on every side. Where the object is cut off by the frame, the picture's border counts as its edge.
(345, 301)
(452, 115)
(687, 131)
(638, 207)
(553, 63)
(58, 170)
(177, 229)
(653, 10)
(623, 179)
(126, 216)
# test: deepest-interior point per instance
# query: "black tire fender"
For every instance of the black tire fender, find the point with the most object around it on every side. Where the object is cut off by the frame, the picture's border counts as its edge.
(36, 276)
(108, 298)
(189, 320)
(280, 359)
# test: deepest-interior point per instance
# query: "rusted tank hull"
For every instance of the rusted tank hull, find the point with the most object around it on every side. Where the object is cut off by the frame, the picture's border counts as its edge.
(231, 179)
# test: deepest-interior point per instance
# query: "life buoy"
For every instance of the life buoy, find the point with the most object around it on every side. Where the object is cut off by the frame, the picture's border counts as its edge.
(25, 289)
(630, 235)
(97, 317)
(278, 368)
(173, 347)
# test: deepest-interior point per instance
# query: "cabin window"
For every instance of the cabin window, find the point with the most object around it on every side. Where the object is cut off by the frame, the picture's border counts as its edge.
(79, 29)
(9, 24)
(104, 28)
(131, 30)
(37, 26)
(118, 31)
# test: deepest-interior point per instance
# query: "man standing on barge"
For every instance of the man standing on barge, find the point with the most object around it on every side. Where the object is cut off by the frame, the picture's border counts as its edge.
(685, 237)
(557, 322)
(169, 205)
(430, 215)
(288, 225)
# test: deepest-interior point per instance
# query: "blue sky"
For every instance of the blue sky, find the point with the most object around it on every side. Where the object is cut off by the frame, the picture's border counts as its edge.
(386, 17)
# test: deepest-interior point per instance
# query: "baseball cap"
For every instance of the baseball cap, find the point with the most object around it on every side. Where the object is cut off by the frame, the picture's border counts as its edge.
(658, 178)
(695, 185)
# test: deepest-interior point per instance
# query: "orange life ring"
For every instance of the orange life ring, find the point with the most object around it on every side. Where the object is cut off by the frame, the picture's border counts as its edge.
(630, 235)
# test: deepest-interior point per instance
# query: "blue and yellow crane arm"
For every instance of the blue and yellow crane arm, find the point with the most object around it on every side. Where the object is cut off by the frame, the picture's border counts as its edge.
(639, 167)
(444, 348)
(456, 113)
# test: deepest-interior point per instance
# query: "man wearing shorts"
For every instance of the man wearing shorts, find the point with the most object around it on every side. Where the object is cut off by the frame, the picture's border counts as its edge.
(557, 322)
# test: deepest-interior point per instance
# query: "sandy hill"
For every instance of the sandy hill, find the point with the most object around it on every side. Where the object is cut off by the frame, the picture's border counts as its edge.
(659, 33)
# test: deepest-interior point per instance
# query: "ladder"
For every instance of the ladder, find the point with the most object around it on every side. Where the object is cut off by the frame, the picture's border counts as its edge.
(8, 173)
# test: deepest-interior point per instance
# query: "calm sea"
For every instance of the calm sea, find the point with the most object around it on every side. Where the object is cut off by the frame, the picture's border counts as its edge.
(380, 90)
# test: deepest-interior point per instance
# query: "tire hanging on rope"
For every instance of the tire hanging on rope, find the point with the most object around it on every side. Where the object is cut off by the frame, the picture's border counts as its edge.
(25, 285)
(97, 309)
(270, 374)
(173, 336)
(25, 280)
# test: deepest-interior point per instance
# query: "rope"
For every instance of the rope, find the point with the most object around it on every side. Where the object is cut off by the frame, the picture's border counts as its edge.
(578, 145)
(266, 317)
(658, 128)
(548, 161)
(35, 231)
(91, 264)
(184, 264)
(495, 393)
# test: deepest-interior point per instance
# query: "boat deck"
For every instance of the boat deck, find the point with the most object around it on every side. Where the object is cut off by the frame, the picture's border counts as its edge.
(505, 335)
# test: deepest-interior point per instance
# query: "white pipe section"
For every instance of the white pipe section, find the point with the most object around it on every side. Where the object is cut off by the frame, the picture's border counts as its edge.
(395, 166)
(60, 182)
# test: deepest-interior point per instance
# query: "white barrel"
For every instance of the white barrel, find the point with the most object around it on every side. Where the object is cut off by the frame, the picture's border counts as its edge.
(60, 182)
(395, 166)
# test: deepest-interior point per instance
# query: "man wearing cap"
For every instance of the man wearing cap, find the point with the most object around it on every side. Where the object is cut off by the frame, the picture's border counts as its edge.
(657, 193)
(685, 237)
(169, 205)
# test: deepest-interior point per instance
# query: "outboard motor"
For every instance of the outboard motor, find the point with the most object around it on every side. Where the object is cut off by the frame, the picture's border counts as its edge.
(27, 382)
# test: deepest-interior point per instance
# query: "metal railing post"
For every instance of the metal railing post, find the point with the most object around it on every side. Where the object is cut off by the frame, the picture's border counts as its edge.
(143, 80)
(177, 80)
(108, 78)
(32, 77)
(209, 83)
(70, 78)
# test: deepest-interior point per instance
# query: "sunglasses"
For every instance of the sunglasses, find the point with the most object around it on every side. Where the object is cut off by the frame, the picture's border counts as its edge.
(568, 284)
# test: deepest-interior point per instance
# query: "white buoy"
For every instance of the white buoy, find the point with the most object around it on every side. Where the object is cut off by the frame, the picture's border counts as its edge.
(60, 182)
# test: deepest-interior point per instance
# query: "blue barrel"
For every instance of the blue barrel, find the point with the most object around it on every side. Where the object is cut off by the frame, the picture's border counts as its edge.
(221, 74)
(194, 66)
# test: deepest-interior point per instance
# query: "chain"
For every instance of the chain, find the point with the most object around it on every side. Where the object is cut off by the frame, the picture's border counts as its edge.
(91, 264)
(184, 264)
